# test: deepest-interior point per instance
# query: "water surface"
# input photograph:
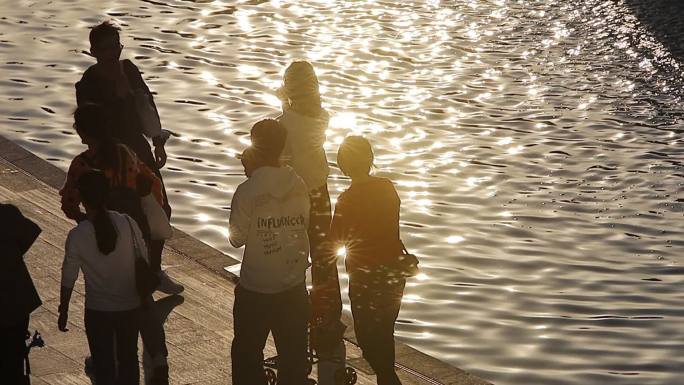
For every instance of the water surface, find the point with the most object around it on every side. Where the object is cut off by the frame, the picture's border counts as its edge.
(536, 146)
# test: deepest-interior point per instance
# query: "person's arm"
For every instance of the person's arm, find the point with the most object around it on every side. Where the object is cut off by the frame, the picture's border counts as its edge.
(138, 240)
(155, 182)
(158, 140)
(70, 268)
(70, 197)
(339, 227)
(143, 179)
(87, 89)
(240, 216)
(284, 100)
(317, 133)
(64, 298)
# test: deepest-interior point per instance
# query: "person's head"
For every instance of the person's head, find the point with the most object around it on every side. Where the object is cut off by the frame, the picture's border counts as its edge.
(355, 156)
(268, 141)
(93, 187)
(300, 88)
(105, 44)
(247, 158)
(91, 124)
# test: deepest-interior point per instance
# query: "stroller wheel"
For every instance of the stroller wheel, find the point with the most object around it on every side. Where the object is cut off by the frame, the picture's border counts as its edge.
(311, 381)
(345, 376)
(350, 376)
(271, 377)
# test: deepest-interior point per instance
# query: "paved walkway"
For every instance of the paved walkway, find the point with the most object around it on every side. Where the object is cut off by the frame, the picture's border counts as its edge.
(199, 324)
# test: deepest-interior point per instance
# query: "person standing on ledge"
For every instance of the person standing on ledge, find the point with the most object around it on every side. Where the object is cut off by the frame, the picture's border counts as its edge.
(119, 87)
(18, 295)
(128, 179)
(366, 223)
(269, 216)
(103, 246)
(306, 122)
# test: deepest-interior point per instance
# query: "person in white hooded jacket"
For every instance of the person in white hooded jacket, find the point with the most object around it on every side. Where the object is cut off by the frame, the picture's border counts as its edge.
(269, 216)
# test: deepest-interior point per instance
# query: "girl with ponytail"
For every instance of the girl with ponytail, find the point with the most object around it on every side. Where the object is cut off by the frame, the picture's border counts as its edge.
(128, 179)
(94, 191)
(102, 247)
(124, 171)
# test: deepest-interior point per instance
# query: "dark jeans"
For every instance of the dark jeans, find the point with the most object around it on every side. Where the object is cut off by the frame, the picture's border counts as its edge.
(375, 303)
(284, 314)
(325, 293)
(151, 327)
(157, 246)
(324, 275)
(113, 341)
(319, 225)
(152, 330)
(13, 353)
(155, 252)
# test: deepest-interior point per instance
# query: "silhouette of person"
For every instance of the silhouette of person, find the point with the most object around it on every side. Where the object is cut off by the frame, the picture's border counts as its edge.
(366, 223)
(306, 122)
(118, 86)
(269, 216)
(18, 296)
(103, 247)
(120, 165)
(128, 178)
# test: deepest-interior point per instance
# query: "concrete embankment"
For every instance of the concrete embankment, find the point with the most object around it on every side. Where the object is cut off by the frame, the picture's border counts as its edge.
(199, 324)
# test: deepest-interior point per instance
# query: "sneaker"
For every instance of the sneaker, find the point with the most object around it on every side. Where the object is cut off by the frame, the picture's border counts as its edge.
(168, 285)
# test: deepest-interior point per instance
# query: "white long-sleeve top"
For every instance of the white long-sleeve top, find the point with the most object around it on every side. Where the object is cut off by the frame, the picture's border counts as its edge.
(269, 216)
(304, 146)
(109, 279)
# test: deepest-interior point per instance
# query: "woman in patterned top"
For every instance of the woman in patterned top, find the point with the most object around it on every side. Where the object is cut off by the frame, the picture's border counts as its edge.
(124, 172)
(119, 164)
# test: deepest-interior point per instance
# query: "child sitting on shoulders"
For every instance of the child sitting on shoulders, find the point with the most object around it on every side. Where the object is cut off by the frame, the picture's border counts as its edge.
(269, 216)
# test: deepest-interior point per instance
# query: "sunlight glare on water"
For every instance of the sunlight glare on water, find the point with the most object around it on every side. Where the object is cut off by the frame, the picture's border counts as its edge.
(536, 146)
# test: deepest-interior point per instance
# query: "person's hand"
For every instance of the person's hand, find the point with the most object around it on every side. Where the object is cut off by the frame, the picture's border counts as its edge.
(160, 156)
(62, 321)
(284, 100)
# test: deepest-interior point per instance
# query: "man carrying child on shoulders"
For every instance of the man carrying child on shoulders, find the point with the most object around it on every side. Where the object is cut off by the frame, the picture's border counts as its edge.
(269, 216)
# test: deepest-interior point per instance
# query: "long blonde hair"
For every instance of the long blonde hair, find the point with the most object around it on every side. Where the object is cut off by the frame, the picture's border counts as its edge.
(300, 87)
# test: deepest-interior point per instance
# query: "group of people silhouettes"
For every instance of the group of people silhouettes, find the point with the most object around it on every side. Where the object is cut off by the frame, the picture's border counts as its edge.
(281, 214)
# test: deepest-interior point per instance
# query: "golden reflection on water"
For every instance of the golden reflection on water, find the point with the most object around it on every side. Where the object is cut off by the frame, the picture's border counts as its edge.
(453, 239)
(491, 117)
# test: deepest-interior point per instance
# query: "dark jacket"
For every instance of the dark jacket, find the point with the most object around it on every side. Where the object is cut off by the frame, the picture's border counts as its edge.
(366, 222)
(18, 295)
(127, 127)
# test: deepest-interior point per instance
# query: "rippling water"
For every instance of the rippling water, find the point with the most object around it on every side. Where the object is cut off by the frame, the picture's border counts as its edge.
(537, 148)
